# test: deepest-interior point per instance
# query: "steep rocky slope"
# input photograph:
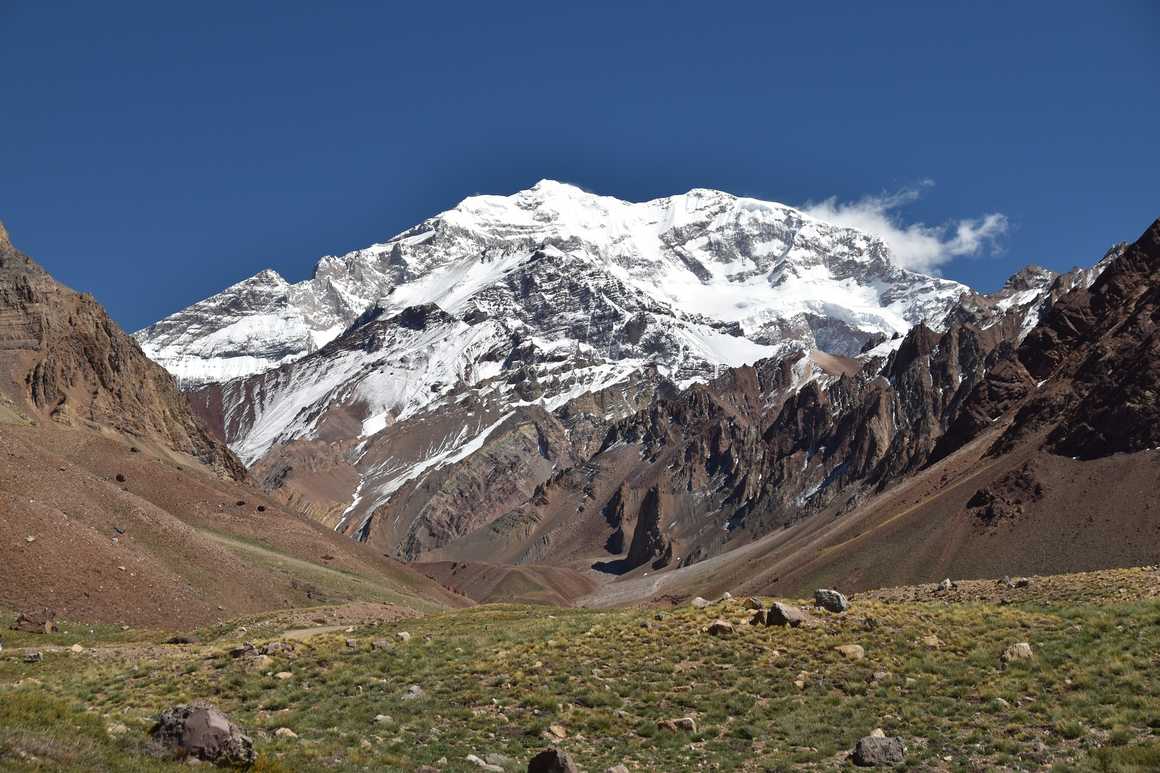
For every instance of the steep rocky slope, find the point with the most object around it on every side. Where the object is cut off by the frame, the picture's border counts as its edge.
(63, 359)
(969, 453)
(116, 505)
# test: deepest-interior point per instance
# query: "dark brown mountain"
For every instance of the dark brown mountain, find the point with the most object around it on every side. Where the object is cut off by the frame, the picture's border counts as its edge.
(63, 359)
(117, 506)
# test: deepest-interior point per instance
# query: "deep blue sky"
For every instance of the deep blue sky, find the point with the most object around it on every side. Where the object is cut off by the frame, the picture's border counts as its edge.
(153, 153)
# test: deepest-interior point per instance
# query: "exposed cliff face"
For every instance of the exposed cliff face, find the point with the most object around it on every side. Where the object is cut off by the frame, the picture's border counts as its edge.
(65, 360)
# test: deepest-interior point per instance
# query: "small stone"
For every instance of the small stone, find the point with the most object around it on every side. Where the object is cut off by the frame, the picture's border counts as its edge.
(699, 603)
(877, 733)
(285, 732)
(946, 585)
(352, 644)
(931, 642)
(117, 728)
(726, 596)
(558, 731)
(831, 600)
(380, 644)
(33, 656)
(283, 675)
(501, 761)
(880, 676)
(1023, 582)
(403, 636)
(851, 651)
(552, 761)
(873, 752)
(76, 649)
(754, 603)
(384, 719)
(413, 692)
(616, 769)
(30, 539)
(474, 760)
(1018, 651)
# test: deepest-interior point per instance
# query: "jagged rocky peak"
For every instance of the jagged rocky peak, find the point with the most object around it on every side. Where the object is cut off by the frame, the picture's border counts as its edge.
(1031, 277)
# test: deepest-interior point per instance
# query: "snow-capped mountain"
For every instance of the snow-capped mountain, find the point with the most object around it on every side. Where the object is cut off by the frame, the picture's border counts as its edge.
(739, 267)
(502, 337)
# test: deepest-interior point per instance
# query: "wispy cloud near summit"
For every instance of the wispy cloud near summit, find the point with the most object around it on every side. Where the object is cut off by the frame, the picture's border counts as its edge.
(914, 245)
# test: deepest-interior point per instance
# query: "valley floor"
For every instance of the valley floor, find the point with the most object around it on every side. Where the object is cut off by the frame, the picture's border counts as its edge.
(511, 680)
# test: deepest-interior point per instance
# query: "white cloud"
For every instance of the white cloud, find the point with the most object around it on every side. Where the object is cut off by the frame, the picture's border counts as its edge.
(915, 245)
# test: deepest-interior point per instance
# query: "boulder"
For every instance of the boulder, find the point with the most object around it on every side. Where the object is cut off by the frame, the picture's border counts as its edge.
(699, 603)
(785, 614)
(200, 731)
(413, 692)
(851, 651)
(276, 648)
(831, 600)
(757, 617)
(1018, 651)
(721, 628)
(552, 761)
(183, 638)
(41, 620)
(873, 751)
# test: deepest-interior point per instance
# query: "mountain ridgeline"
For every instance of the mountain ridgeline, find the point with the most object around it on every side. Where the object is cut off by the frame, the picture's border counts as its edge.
(637, 390)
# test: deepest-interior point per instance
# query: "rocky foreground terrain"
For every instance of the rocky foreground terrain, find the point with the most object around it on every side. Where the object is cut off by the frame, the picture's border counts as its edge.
(997, 674)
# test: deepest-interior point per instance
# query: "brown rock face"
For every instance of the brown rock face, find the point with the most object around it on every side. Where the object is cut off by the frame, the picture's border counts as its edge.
(649, 545)
(63, 359)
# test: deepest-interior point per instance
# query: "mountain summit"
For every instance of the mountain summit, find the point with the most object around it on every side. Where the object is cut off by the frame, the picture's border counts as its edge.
(734, 279)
